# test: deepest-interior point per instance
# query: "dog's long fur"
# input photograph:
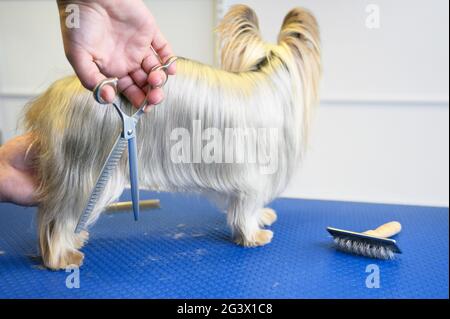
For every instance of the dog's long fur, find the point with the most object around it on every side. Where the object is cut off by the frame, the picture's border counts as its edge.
(261, 85)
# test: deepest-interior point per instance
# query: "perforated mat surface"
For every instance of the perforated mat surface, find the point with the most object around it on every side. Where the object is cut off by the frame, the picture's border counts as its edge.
(184, 251)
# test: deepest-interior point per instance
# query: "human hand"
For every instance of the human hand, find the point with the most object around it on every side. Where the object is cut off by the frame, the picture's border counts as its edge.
(115, 39)
(17, 177)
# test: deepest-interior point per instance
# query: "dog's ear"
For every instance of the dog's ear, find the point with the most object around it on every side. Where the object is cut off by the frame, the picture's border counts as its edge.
(242, 48)
(301, 36)
(300, 39)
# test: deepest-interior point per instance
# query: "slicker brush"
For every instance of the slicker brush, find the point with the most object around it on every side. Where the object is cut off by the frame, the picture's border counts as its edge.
(372, 243)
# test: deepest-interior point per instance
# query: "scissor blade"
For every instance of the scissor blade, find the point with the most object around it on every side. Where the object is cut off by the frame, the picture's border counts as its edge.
(107, 170)
(134, 180)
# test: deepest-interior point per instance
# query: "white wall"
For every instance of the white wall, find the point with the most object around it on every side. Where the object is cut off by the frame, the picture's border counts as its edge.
(377, 153)
(381, 133)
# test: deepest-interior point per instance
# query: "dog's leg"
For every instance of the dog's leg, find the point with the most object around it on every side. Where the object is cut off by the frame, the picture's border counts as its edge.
(244, 218)
(58, 242)
(59, 245)
(59, 215)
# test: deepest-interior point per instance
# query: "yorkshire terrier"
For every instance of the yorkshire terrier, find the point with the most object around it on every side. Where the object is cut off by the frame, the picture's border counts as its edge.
(264, 94)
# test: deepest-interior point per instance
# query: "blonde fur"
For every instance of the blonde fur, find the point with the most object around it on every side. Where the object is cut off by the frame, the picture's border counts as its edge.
(260, 86)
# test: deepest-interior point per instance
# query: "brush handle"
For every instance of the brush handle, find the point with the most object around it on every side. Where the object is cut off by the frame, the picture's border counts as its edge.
(126, 206)
(386, 230)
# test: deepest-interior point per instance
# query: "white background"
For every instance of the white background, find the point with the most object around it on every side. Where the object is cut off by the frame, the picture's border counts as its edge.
(381, 133)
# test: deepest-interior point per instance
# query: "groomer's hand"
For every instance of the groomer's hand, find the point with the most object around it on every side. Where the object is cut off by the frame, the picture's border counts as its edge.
(114, 39)
(17, 177)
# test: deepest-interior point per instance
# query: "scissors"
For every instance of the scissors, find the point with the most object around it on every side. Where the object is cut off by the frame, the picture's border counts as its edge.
(126, 138)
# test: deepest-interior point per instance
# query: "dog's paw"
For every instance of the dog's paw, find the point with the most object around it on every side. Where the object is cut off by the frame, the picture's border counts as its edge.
(261, 238)
(70, 259)
(74, 258)
(268, 216)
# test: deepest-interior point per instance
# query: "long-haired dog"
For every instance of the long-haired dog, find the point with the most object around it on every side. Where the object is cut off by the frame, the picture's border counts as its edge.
(260, 86)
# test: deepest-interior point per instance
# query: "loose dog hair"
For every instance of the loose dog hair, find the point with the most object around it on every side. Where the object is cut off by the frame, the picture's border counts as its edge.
(260, 85)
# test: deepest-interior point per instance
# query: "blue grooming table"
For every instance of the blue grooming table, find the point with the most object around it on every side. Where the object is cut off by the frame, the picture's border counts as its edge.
(184, 251)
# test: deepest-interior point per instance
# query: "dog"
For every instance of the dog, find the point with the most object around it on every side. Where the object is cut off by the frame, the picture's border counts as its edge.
(260, 86)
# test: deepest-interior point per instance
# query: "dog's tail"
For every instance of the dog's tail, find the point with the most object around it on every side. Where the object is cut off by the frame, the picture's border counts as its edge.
(301, 37)
(242, 48)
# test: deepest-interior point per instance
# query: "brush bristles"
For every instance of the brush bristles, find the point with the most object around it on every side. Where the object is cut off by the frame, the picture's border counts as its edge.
(364, 249)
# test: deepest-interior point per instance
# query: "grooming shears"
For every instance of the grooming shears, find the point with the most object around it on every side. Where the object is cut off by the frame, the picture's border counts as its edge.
(126, 138)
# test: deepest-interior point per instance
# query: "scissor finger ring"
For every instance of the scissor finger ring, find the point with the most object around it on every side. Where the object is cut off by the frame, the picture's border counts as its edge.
(165, 67)
(98, 89)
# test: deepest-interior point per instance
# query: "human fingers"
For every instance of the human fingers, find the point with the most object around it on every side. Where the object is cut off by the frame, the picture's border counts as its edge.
(20, 188)
(134, 94)
(150, 62)
(154, 97)
(139, 77)
(157, 79)
(89, 73)
(164, 50)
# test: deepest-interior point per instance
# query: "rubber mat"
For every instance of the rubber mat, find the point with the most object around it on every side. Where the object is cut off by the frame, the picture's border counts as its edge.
(184, 251)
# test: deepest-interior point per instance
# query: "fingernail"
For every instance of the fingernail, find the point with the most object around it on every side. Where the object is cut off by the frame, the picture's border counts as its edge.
(148, 108)
(162, 78)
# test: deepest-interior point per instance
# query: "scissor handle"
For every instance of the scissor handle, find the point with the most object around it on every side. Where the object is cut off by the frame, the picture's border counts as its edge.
(112, 82)
(165, 67)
